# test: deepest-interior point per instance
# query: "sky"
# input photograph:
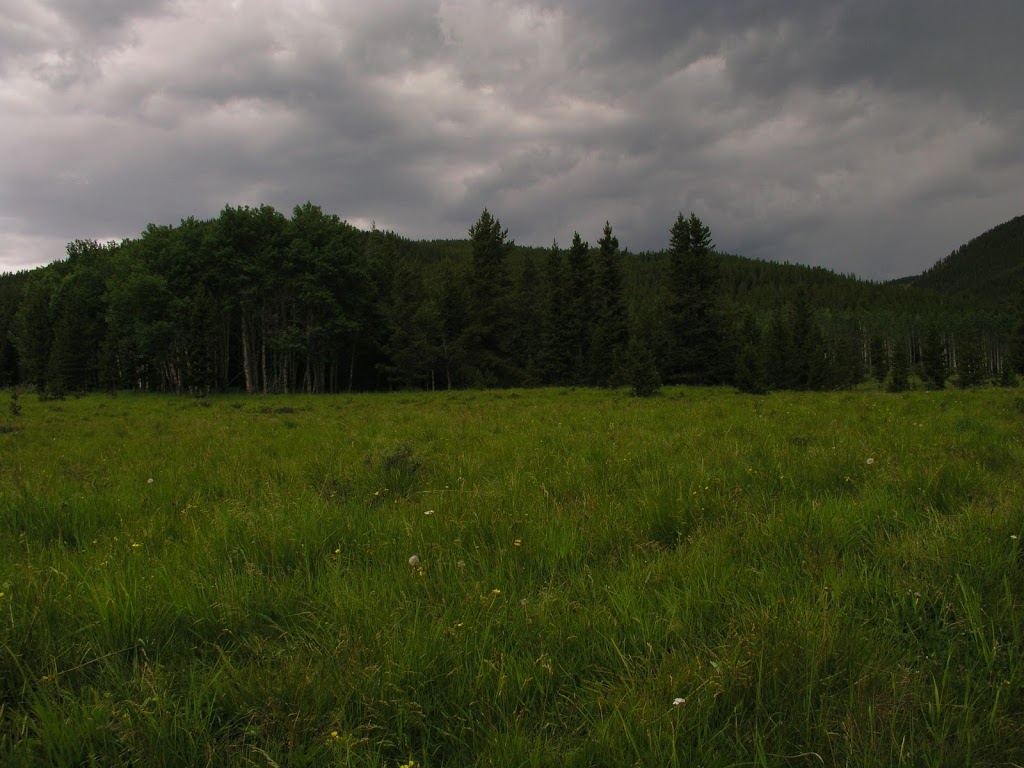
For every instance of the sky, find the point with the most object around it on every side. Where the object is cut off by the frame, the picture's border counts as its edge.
(870, 137)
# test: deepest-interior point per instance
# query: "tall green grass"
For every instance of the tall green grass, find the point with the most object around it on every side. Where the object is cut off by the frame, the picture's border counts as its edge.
(701, 578)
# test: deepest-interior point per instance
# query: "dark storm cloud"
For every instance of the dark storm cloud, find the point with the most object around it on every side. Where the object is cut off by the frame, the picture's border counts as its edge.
(869, 137)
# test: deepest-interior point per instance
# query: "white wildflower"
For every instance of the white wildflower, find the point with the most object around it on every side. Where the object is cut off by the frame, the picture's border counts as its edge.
(414, 561)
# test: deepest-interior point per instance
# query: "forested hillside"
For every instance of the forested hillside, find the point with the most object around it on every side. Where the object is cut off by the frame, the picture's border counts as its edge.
(256, 301)
(990, 267)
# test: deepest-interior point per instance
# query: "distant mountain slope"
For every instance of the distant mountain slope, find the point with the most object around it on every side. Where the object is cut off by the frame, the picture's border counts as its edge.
(989, 267)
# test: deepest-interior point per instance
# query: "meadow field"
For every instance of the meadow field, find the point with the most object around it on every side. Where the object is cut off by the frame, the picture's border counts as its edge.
(570, 578)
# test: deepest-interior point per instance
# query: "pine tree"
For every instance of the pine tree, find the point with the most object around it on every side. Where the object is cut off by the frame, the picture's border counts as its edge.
(1016, 353)
(780, 352)
(751, 376)
(899, 368)
(693, 316)
(580, 307)
(642, 372)
(452, 307)
(611, 320)
(487, 337)
(809, 345)
(970, 361)
(879, 357)
(527, 311)
(933, 358)
(554, 363)
(414, 321)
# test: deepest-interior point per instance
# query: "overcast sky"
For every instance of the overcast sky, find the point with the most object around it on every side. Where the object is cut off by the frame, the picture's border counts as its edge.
(866, 136)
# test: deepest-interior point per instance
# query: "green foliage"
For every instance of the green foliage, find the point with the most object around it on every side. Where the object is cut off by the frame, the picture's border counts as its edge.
(581, 301)
(971, 370)
(610, 321)
(879, 358)
(1016, 342)
(557, 355)
(642, 369)
(695, 333)
(808, 345)
(14, 406)
(899, 369)
(988, 266)
(258, 302)
(487, 337)
(933, 359)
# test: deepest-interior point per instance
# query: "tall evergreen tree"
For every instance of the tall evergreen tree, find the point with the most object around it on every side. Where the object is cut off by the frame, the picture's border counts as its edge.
(1016, 351)
(415, 330)
(554, 364)
(809, 344)
(845, 359)
(580, 307)
(452, 307)
(971, 370)
(899, 366)
(933, 358)
(487, 335)
(750, 372)
(780, 351)
(693, 316)
(610, 328)
(640, 369)
(879, 357)
(527, 310)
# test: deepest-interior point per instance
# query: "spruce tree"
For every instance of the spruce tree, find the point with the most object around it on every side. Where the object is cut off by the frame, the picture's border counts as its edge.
(555, 361)
(641, 370)
(487, 335)
(1016, 353)
(610, 328)
(693, 317)
(970, 361)
(879, 357)
(414, 323)
(527, 308)
(899, 368)
(751, 376)
(933, 358)
(580, 307)
(780, 352)
(808, 344)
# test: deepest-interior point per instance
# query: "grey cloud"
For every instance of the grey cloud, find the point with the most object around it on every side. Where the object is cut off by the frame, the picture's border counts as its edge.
(864, 136)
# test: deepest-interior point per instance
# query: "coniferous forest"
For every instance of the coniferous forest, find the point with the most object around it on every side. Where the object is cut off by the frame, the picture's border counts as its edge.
(255, 301)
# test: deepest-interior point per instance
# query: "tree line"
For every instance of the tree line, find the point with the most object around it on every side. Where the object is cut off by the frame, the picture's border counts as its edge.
(256, 301)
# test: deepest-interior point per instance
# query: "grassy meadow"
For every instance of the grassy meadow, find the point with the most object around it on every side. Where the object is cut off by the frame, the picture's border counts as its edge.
(519, 578)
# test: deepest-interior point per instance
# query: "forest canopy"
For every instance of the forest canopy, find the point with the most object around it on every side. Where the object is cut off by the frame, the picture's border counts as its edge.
(259, 302)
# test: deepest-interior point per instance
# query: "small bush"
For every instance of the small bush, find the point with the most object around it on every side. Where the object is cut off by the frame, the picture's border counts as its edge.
(396, 470)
